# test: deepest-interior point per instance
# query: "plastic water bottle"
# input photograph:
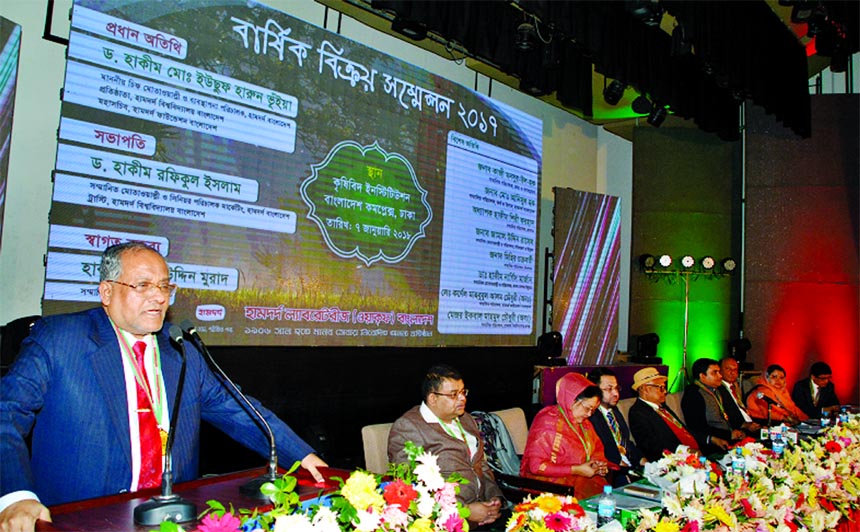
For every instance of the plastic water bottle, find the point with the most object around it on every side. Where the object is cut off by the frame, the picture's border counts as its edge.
(843, 415)
(605, 506)
(825, 418)
(778, 444)
(739, 465)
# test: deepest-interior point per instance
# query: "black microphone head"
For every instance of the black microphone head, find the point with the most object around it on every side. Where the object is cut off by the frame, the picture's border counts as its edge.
(175, 333)
(188, 326)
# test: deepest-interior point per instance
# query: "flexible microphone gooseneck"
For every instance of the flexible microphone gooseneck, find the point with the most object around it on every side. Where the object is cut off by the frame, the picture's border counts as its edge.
(770, 404)
(252, 487)
(168, 506)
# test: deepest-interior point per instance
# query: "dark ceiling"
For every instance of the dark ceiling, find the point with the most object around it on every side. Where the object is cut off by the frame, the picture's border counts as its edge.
(697, 59)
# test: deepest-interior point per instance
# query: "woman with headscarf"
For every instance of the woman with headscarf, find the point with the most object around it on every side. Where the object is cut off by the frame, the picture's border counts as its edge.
(562, 446)
(773, 386)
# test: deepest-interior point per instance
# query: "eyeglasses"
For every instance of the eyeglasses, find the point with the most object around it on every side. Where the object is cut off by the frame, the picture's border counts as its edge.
(588, 408)
(660, 387)
(144, 287)
(453, 395)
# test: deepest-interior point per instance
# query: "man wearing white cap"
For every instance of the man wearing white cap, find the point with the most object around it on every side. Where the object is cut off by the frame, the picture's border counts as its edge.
(654, 426)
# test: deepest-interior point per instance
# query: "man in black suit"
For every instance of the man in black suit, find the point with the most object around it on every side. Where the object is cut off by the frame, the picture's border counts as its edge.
(611, 428)
(816, 393)
(654, 426)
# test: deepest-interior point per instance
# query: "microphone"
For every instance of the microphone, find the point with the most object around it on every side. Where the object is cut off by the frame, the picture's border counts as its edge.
(168, 506)
(766, 399)
(252, 487)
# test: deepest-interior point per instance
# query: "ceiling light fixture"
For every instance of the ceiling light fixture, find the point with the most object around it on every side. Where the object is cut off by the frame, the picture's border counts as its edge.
(641, 105)
(524, 40)
(665, 260)
(687, 261)
(657, 115)
(708, 262)
(729, 265)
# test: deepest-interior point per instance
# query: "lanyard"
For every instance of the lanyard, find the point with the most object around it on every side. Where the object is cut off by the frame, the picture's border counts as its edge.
(579, 434)
(154, 399)
(716, 397)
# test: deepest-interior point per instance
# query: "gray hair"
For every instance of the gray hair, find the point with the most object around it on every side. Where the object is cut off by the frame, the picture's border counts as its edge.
(111, 266)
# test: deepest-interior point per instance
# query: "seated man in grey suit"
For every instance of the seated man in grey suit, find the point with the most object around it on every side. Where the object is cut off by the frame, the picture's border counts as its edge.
(706, 405)
(611, 428)
(441, 426)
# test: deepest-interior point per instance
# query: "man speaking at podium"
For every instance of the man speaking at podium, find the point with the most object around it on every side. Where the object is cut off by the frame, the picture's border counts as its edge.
(97, 387)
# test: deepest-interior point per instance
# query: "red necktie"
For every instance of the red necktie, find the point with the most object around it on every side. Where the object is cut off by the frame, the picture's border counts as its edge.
(150, 436)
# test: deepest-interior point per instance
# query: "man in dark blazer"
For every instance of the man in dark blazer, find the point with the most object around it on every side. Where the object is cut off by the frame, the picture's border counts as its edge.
(441, 426)
(706, 409)
(68, 387)
(654, 426)
(611, 428)
(816, 393)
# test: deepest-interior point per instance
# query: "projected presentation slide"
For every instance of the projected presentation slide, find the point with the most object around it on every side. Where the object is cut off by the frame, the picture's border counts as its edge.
(304, 189)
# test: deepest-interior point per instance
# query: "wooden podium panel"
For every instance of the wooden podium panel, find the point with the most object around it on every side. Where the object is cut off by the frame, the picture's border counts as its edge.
(116, 512)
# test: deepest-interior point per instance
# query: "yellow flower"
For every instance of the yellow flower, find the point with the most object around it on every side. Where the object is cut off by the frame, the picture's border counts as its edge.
(720, 513)
(812, 497)
(360, 491)
(548, 503)
(421, 525)
(666, 526)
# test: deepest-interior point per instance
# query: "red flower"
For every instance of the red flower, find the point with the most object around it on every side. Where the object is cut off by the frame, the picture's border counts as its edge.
(827, 505)
(399, 493)
(226, 523)
(800, 500)
(573, 508)
(748, 511)
(832, 447)
(692, 526)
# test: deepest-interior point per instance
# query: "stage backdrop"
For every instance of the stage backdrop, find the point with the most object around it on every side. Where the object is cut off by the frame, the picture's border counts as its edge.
(10, 46)
(304, 189)
(586, 275)
(802, 272)
(686, 200)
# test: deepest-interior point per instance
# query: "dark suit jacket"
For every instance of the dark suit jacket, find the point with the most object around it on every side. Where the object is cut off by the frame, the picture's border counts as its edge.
(801, 394)
(610, 448)
(67, 386)
(652, 434)
(452, 454)
(704, 418)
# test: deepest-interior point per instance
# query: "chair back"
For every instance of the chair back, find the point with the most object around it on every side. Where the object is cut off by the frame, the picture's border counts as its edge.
(673, 401)
(515, 421)
(375, 441)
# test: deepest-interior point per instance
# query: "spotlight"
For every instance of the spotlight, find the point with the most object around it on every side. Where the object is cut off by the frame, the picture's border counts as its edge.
(648, 11)
(646, 349)
(657, 115)
(614, 92)
(641, 105)
(525, 37)
(687, 261)
(549, 346)
(708, 262)
(729, 265)
(665, 260)
(647, 262)
(408, 28)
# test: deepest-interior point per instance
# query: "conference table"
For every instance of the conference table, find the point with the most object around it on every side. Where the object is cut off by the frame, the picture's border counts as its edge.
(115, 512)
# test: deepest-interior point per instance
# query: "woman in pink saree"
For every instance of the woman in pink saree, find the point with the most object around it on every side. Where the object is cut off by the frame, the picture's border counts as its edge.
(562, 446)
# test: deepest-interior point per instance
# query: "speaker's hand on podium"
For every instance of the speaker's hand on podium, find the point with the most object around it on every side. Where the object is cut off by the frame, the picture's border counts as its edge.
(21, 516)
(311, 462)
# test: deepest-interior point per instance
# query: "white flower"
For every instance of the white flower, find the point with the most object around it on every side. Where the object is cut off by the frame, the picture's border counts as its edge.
(293, 523)
(367, 521)
(326, 520)
(426, 502)
(428, 473)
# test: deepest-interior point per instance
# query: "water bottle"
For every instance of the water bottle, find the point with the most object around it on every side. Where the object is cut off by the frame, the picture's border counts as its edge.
(605, 506)
(778, 444)
(843, 415)
(739, 465)
(825, 418)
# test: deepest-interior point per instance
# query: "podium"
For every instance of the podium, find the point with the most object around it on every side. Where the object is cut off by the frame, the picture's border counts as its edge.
(116, 512)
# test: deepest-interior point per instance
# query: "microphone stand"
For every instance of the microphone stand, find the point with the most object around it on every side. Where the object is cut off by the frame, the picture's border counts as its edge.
(168, 506)
(252, 487)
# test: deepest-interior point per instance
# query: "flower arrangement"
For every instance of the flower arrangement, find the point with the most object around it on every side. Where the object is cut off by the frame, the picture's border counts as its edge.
(549, 513)
(813, 486)
(682, 470)
(413, 498)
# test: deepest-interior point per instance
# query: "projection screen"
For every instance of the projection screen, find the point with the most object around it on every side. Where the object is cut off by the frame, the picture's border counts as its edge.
(304, 189)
